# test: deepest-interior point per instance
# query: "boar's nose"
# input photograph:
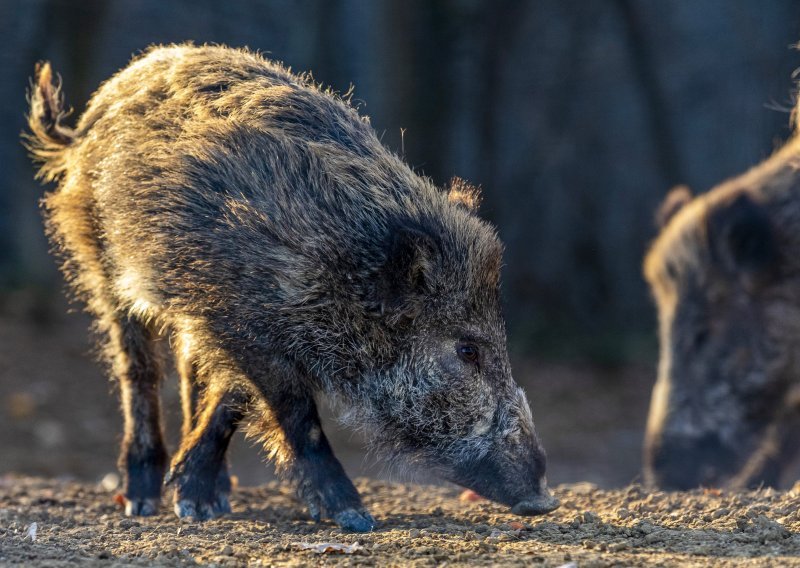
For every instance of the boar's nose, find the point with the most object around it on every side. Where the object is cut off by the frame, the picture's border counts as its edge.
(686, 463)
(539, 504)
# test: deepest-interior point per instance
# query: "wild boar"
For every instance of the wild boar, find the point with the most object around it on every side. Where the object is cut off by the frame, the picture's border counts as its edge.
(725, 408)
(211, 196)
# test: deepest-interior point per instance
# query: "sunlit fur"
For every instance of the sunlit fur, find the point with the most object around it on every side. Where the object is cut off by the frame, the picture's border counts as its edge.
(216, 197)
(729, 331)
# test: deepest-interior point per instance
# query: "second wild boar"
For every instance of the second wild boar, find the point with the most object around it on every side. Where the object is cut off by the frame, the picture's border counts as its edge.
(725, 274)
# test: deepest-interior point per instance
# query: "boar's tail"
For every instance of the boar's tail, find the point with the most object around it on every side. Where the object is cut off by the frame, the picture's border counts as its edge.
(48, 138)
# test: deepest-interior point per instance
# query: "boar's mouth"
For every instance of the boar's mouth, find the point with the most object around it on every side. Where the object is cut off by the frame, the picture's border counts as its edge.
(537, 504)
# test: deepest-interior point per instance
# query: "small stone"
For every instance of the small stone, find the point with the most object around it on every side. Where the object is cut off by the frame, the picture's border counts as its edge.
(589, 517)
(618, 546)
(110, 482)
(645, 527)
(127, 523)
(742, 523)
(653, 537)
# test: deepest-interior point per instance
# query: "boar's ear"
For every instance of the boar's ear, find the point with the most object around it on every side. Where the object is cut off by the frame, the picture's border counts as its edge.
(463, 193)
(406, 273)
(742, 236)
(677, 197)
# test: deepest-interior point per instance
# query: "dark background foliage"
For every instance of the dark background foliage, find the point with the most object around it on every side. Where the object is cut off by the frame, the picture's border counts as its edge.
(574, 117)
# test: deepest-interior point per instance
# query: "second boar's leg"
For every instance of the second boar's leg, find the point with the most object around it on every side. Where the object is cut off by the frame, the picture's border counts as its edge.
(191, 395)
(143, 457)
(199, 468)
(321, 480)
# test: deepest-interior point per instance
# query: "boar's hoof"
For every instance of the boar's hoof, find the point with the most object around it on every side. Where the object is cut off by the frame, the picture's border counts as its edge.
(351, 520)
(146, 507)
(202, 511)
(536, 505)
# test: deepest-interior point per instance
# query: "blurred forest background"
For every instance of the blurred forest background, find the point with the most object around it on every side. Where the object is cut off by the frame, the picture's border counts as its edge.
(574, 117)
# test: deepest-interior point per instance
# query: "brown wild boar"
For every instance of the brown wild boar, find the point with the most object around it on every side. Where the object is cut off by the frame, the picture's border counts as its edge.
(725, 274)
(211, 196)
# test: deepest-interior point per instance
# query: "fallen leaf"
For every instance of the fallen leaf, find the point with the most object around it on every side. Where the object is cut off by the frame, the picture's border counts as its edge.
(330, 547)
(517, 526)
(582, 487)
(31, 534)
(119, 499)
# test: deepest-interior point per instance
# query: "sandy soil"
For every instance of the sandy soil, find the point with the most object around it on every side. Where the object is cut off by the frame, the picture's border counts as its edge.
(418, 526)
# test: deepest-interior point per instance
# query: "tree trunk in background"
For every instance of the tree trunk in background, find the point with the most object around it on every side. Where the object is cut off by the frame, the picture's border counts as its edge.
(574, 117)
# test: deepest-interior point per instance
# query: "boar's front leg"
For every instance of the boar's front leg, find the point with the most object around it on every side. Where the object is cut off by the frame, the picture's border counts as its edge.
(321, 480)
(143, 457)
(199, 469)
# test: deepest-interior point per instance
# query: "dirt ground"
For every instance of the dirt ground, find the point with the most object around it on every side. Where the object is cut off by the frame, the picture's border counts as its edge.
(418, 526)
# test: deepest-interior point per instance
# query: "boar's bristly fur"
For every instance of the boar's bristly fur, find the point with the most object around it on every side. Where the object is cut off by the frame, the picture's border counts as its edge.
(212, 196)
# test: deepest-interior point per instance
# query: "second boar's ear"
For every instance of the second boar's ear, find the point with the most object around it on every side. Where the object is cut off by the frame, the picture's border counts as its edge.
(742, 237)
(677, 197)
(406, 274)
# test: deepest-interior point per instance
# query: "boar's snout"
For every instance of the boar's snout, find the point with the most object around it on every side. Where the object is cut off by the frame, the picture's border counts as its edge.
(518, 482)
(682, 463)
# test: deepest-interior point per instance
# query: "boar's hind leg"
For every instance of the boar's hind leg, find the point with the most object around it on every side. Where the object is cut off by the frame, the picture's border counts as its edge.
(191, 393)
(199, 469)
(321, 481)
(143, 457)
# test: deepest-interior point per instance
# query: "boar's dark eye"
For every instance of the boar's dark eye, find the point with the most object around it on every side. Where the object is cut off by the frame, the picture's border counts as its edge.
(469, 353)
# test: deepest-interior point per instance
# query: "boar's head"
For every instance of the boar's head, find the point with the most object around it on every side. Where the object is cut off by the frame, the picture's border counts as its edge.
(722, 409)
(446, 401)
